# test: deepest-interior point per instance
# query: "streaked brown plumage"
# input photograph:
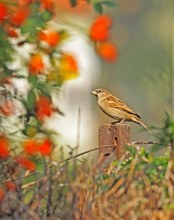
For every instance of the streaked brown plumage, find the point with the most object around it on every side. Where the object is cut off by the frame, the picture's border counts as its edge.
(115, 108)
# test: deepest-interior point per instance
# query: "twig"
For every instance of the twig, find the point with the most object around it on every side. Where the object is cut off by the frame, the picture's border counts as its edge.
(24, 176)
(78, 129)
(141, 142)
(50, 192)
(98, 148)
(80, 154)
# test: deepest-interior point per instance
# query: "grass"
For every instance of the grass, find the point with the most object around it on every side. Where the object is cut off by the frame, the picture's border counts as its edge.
(139, 186)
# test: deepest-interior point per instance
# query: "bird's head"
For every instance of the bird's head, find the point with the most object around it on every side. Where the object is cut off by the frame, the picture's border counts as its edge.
(99, 92)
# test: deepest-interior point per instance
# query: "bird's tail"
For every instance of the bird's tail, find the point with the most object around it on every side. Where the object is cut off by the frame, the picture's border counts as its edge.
(138, 121)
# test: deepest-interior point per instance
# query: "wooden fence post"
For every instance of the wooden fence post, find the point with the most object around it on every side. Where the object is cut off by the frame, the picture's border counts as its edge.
(113, 135)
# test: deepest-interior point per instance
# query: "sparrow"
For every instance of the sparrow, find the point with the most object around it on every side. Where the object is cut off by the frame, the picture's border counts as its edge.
(116, 109)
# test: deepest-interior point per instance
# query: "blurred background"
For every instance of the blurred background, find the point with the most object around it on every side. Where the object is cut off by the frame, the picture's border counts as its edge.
(142, 76)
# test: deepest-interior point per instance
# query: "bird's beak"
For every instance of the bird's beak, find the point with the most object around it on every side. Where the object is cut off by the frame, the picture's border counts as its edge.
(94, 92)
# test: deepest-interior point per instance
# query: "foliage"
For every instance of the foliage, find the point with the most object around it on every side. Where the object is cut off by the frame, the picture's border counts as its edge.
(75, 190)
(78, 189)
(26, 144)
(32, 186)
(99, 5)
(44, 68)
(165, 134)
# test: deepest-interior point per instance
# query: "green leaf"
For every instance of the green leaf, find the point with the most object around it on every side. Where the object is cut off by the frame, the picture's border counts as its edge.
(31, 98)
(33, 80)
(109, 4)
(41, 87)
(73, 2)
(28, 26)
(6, 49)
(34, 24)
(98, 7)
(34, 8)
(46, 15)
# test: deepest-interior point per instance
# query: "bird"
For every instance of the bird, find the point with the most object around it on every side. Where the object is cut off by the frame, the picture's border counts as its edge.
(116, 109)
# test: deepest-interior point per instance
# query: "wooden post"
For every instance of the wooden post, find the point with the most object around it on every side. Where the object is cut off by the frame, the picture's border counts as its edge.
(113, 135)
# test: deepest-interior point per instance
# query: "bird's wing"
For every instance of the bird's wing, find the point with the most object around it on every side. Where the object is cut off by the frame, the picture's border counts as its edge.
(115, 102)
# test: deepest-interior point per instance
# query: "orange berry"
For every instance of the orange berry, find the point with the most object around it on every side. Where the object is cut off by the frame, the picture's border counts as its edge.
(26, 163)
(20, 16)
(72, 65)
(104, 20)
(43, 107)
(100, 28)
(4, 148)
(30, 147)
(51, 37)
(69, 63)
(36, 64)
(107, 51)
(47, 4)
(3, 12)
(68, 67)
(45, 148)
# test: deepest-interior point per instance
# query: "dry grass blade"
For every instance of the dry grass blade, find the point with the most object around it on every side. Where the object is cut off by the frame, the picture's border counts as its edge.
(114, 189)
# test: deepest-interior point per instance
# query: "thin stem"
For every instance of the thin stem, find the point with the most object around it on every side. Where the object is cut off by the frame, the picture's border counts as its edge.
(102, 147)
(50, 192)
(78, 129)
(143, 142)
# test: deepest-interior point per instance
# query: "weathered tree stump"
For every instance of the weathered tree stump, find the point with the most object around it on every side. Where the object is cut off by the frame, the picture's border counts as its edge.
(115, 136)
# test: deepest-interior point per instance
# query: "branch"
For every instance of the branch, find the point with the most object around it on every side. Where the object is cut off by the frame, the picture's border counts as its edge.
(81, 154)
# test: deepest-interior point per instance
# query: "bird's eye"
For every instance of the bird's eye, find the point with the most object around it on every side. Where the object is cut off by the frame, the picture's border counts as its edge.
(100, 90)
